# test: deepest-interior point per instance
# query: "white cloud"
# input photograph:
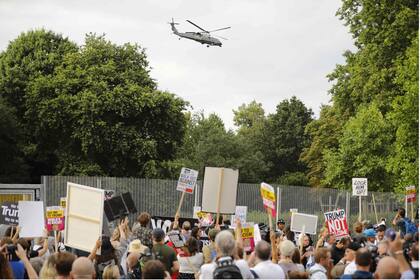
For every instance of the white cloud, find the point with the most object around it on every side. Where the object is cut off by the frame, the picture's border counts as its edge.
(276, 49)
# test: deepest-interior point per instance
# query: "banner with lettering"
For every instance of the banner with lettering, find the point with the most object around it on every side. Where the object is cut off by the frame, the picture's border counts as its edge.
(55, 218)
(337, 223)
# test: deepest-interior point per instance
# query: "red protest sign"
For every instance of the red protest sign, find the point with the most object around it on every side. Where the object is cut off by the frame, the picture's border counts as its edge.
(337, 223)
(269, 198)
(410, 193)
(55, 218)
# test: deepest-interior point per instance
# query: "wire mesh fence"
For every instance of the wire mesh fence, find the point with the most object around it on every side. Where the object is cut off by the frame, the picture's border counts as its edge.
(160, 197)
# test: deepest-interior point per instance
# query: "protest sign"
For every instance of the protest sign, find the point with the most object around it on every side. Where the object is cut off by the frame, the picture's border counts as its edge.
(55, 218)
(219, 191)
(269, 198)
(9, 214)
(31, 219)
(247, 233)
(165, 222)
(109, 194)
(303, 223)
(85, 210)
(257, 234)
(187, 180)
(360, 186)
(337, 223)
(240, 213)
(196, 210)
(63, 202)
(176, 238)
(410, 193)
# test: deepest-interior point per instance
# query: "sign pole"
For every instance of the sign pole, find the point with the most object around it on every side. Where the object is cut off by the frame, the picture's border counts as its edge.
(218, 195)
(180, 204)
(406, 202)
(278, 202)
(360, 208)
(55, 241)
(374, 208)
(412, 211)
(11, 232)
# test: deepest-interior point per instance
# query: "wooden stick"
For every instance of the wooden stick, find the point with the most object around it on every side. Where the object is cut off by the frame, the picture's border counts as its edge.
(412, 211)
(180, 204)
(374, 208)
(11, 232)
(219, 195)
(360, 208)
(269, 218)
(55, 241)
(302, 236)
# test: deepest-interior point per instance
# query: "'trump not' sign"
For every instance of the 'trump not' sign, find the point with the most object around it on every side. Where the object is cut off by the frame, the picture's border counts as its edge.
(360, 186)
(337, 223)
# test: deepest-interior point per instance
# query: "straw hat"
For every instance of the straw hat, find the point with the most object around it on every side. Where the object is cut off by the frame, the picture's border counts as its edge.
(136, 247)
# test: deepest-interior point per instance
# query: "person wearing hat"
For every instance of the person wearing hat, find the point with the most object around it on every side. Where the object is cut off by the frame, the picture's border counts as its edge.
(370, 236)
(281, 224)
(163, 252)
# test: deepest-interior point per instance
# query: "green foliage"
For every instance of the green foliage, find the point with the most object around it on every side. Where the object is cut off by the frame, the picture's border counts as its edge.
(284, 138)
(364, 148)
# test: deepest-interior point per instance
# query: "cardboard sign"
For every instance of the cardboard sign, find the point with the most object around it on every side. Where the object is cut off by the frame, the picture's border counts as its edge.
(55, 218)
(220, 183)
(248, 236)
(360, 186)
(165, 222)
(410, 193)
(187, 180)
(240, 213)
(85, 211)
(304, 223)
(9, 214)
(269, 198)
(31, 219)
(196, 210)
(176, 238)
(257, 234)
(337, 223)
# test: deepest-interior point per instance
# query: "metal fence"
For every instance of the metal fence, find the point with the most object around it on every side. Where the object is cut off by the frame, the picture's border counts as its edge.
(159, 197)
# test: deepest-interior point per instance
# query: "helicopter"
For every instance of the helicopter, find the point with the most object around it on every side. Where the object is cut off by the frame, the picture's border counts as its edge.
(202, 37)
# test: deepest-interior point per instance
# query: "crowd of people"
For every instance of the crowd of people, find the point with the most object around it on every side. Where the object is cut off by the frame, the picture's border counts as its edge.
(381, 251)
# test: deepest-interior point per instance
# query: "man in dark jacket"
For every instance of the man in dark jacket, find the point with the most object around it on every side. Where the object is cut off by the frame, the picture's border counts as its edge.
(363, 262)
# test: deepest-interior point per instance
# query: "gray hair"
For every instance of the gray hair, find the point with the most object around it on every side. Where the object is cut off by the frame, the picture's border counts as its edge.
(225, 243)
(263, 250)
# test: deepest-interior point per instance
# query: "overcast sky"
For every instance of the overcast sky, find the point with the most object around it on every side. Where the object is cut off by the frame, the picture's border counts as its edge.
(276, 49)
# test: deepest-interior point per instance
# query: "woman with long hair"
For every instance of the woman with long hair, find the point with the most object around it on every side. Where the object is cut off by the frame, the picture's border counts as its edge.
(190, 260)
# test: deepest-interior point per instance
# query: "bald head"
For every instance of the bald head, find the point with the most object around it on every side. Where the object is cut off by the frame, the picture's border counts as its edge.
(387, 269)
(132, 260)
(82, 268)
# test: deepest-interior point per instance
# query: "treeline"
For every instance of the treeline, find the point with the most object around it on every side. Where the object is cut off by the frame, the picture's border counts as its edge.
(95, 110)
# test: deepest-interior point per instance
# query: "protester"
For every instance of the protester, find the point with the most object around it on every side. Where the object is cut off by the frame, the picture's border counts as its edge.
(380, 233)
(363, 262)
(142, 232)
(338, 250)
(287, 250)
(357, 235)
(63, 264)
(5, 268)
(414, 256)
(190, 260)
(281, 225)
(83, 268)
(49, 269)
(225, 247)
(209, 251)
(186, 230)
(349, 259)
(398, 220)
(163, 252)
(265, 268)
(322, 264)
(387, 268)
(154, 270)
(111, 271)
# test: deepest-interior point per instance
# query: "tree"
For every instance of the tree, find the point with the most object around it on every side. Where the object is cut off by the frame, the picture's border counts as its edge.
(363, 151)
(324, 134)
(284, 138)
(404, 161)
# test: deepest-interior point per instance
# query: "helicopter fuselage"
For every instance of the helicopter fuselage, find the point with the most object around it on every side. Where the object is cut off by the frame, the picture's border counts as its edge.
(202, 37)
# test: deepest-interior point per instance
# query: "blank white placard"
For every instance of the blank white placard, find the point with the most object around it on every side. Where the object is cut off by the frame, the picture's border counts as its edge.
(31, 218)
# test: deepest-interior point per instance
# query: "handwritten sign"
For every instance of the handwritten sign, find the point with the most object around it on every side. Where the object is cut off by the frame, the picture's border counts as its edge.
(55, 218)
(247, 233)
(269, 198)
(187, 180)
(337, 223)
(360, 186)
(240, 213)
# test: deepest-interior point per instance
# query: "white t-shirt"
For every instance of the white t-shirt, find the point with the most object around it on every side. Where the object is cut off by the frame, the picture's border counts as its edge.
(350, 268)
(195, 261)
(206, 271)
(269, 270)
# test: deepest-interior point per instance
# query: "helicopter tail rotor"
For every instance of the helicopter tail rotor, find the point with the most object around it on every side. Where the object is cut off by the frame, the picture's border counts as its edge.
(173, 23)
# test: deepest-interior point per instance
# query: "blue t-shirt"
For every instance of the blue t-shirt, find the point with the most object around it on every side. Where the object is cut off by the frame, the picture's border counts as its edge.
(18, 269)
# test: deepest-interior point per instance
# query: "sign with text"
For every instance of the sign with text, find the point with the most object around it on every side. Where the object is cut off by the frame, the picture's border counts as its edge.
(269, 198)
(187, 180)
(360, 186)
(337, 223)
(240, 213)
(55, 218)
(410, 193)
(247, 233)
(9, 214)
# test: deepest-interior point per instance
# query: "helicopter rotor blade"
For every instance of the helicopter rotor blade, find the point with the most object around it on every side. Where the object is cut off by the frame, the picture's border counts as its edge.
(220, 37)
(197, 26)
(219, 29)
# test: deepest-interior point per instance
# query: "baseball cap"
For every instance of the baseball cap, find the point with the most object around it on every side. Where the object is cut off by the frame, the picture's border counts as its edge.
(354, 246)
(281, 221)
(369, 232)
(158, 234)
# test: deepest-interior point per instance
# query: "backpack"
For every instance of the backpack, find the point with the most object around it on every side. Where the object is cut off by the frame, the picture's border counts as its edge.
(410, 227)
(226, 269)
